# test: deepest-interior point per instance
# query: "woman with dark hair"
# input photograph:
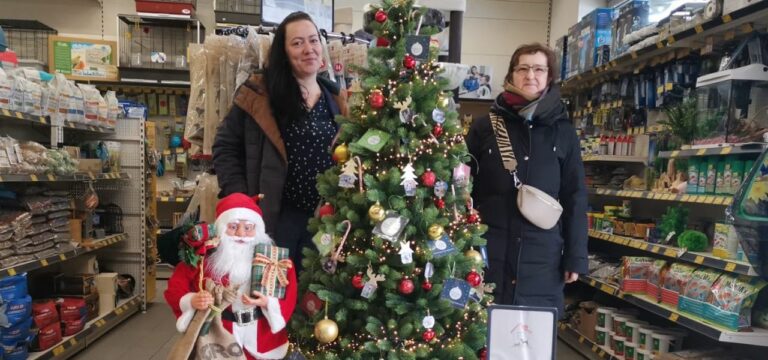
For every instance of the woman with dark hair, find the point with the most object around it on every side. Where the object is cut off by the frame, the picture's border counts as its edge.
(528, 131)
(278, 134)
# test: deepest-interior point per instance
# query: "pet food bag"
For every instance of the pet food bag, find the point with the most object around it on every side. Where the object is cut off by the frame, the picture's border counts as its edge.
(732, 300)
(655, 272)
(693, 299)
(634, 273)
(674, 281)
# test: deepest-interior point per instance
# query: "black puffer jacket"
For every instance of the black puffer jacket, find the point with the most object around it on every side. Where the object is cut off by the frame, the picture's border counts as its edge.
(527, 263)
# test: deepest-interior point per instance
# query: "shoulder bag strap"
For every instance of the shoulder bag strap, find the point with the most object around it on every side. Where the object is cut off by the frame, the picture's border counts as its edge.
(502, 139)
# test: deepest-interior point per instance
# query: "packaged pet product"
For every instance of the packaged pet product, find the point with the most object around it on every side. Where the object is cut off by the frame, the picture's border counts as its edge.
(600, 336)
(76, 110)
(664, 341)
(6, 90)
(634, 273)
(693, 176)
(645, 336)
(113, 109)
(726, 242)
(48, 336)
(711, 175)
(18, 310)
(702, 176)
(632, 330)
(674, 282)
(91, 103)
(720, 178)
(17, 333)
(655, 273)
(604, 317)
(737, 173)
(694, 298)
(17, 351)
(732, 300)
(44, 313)
(13, 287)
(620, 323)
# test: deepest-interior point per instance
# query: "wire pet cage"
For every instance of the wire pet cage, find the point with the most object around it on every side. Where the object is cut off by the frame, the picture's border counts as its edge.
(29, 39)
(246, 12)
(157, 42)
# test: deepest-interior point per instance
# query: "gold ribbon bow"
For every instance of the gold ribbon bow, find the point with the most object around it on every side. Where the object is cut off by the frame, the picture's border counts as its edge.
(273, 268)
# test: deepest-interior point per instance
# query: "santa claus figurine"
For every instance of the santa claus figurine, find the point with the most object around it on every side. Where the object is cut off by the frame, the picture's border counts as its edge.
(257, 321)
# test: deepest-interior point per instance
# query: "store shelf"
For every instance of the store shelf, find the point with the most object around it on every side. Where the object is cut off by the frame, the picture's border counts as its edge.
(614, 158)
(757, 336)
(723, 200)
(581, 344)
(88, 128)
(677, 45)
(176, 151)
(74, 177)
(698, 258)
(70, 345)
(152, 77)
(39, 264)
(169, 199)
(20, 117)
(749, 148)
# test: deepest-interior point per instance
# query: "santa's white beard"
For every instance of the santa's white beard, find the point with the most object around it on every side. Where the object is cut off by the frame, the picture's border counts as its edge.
(233, 259)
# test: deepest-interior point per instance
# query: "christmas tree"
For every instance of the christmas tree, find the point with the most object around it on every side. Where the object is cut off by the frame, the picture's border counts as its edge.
(397, 274)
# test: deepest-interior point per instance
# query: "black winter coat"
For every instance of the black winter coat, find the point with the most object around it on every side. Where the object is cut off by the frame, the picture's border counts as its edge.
(249, 154)
(527, 263)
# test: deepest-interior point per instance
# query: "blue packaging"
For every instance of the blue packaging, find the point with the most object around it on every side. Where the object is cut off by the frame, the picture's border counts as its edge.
(133, 110)
(561, 57)
(16, 352)
(16, 333)
(18, 310)
(595, 33)
(13, 287)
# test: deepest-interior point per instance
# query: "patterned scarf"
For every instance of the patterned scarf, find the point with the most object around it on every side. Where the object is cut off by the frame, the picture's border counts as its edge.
(519, 100)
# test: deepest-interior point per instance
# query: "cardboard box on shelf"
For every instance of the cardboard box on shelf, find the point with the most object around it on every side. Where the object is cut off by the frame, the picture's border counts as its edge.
(73, 151)
(585, 320)
(106, 283)
(81, 284)
(83, 264)
(89, 165)
(107, 303)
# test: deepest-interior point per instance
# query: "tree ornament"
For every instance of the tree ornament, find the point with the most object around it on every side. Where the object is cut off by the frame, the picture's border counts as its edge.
(381, 16)
(372, 284)
(406, 286)
(340, 153)
(473, 278)
(472, 217)
(409, 62)
(440, 203)
(426, 285)
(347, 177)
(376, 212)
(437, 130)
(482, 354)
(376, 99)
(435, 231)
(382, 42)
(406, 253)
(326, 331)
(474, 256)
(428, 335)
(428, 178)
(409, 180)
(357, 281)
(326, 210)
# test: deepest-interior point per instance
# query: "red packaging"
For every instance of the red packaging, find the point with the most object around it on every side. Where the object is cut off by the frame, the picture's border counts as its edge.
(674, 281)
(634, 271)
(655, 273)
(164, 7)
(72, 309)
(44, 313)
(74, 326)
(47, 337)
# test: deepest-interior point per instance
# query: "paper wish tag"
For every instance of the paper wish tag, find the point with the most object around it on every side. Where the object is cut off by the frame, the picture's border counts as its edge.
(374, 140)
(474, 295)
(441, 247)
(324, 242)
(456, 292)
(418, 46)
(441, 187)
(347, 181)
(461, 175)
(372, 284)
(391, 227)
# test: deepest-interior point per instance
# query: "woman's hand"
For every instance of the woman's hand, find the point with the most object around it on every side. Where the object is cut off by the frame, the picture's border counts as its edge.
(571, 277)
(258, 299)
(201, 300)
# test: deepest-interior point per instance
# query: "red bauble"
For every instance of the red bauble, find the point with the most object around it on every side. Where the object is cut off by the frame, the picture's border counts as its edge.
(406, 286)
(428, 335)
(357, 281)
(428, 178)
(440, 203)
(473, 218)
(376, 99)
(483, 354)
(409, 62)
(381, 16)
(437, 130)
(474, 279)
(426, 285)
(382, 42)
(326, 210)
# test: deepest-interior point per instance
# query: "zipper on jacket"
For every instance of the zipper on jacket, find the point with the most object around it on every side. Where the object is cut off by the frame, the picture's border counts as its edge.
(528, 125)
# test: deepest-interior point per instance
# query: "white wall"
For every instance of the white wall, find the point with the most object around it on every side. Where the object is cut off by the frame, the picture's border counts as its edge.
(586, 6)
(565, 13)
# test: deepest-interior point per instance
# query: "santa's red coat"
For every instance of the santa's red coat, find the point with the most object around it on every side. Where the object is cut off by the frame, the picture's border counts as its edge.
(185, 280)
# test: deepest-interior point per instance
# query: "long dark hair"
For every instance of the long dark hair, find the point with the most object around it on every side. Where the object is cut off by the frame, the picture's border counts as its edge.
(285, 96)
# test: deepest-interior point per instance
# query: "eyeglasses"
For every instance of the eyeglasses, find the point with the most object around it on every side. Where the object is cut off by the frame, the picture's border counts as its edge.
(524, 69)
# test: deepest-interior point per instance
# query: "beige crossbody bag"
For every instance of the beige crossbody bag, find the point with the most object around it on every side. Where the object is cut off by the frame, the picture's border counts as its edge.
(537, 206)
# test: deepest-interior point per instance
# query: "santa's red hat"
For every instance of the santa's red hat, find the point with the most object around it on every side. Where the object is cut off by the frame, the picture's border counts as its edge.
(236, 207)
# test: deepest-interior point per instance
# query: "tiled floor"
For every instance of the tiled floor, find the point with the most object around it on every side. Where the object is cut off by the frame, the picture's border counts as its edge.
(150, 336)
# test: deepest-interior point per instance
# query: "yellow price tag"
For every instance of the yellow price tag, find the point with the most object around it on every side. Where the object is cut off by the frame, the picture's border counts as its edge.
(668, 196)
(659, 44)
(179, 199)
(51, 177)
(655, 249)
(58, 350)
(746, 28)
(699, 28)
(73, 341)
(686, 198)
(11, 271)
(701, 152)
(594, 348)
(43, 262)
(602, 353)
(6, 112)
(581, 339)
(709, 199)
(62, 257)
(727, 18)
(562, 326)
(726, 150)
(119, 311)
(43, 120)
(669, 86)
(674, 316)
(19, 115)
(33, 177)
(699, 260)
(593, 282)
(674, 154)
(670, 252)
(730, 266)
(719, 200)
(164, 198)
(728, 201)
(606, 288)
(644, 246)
(671, 39)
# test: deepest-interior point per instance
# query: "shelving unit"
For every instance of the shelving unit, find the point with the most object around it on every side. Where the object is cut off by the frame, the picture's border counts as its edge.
(751, 148)
(582, 344)
(757, 336)
(61, 178)
(722, 200)
(697, 258)
(615, 159)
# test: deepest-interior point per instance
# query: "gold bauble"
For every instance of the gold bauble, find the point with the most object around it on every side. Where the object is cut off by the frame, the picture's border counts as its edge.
(474, 256)
(435, 231)
(326, 331)
(341, 153)
(376, 212)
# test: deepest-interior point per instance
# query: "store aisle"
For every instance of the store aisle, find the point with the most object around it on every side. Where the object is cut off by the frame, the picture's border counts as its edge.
(150, 336)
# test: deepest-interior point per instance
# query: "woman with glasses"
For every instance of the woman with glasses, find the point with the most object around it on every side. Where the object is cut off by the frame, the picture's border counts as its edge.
(529, 264)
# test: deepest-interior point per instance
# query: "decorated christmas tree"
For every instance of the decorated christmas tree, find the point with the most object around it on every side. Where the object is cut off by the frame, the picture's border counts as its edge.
(397, 272)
